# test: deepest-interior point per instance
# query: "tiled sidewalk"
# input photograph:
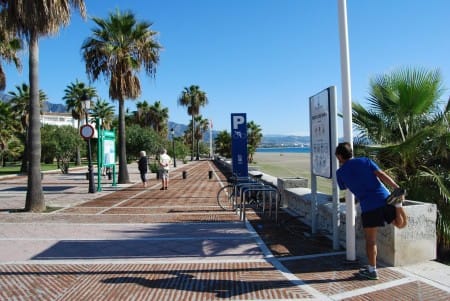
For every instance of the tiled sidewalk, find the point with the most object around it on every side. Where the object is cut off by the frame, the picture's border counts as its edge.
(130, 243)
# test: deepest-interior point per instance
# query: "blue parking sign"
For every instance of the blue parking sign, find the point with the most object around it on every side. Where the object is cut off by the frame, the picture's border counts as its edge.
(239, 144)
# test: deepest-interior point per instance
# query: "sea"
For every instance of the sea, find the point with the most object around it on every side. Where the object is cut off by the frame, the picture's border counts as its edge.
(283, 150)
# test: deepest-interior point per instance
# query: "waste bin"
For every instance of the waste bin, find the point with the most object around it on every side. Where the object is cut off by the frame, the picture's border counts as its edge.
(184, 174)
(210, 174)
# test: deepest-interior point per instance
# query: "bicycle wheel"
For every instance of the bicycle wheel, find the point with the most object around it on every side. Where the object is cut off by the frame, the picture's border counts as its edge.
(225, 197)
(256, 199)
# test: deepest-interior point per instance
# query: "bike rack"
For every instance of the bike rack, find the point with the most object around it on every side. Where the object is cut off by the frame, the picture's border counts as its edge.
(244, 185)
(259, 187)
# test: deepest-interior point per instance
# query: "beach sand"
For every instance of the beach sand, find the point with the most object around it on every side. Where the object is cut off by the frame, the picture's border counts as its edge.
(283, 164)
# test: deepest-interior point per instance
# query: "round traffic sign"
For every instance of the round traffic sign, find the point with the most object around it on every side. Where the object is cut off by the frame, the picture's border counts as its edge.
(87, 131)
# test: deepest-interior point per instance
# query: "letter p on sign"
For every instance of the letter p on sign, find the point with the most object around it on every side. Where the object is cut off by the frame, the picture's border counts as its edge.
(237, 120)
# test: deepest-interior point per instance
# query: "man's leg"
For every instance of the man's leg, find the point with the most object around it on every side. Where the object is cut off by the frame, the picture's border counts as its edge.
(162, 180)
(400, 220)
(370, 235)
(370, 271)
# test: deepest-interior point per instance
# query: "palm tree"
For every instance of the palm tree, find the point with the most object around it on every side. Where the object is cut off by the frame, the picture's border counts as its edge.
(202, 125)
(141, 114)
(33, 19)
(222, 144)
(193, 98)
(20, 102)
(9, 47)
(104, 111)
(73, 95)
(118, 49)
(411, 133)
(158, 117)
(254, 137)
(8, 123)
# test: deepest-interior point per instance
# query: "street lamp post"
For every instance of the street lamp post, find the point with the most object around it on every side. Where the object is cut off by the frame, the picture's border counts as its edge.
(173, 147)
(86, 104)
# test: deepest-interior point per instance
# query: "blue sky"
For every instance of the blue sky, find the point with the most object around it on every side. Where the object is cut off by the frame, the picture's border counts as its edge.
(260, 57)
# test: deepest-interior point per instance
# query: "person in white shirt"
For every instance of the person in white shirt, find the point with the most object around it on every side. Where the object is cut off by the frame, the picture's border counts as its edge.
(164, 163)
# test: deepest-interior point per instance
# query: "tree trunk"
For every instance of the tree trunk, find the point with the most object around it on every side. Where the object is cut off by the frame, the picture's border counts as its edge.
(124, 178)
(198, 145)
(78, 157)
(193, 142)
(35, 197)
(25, 155)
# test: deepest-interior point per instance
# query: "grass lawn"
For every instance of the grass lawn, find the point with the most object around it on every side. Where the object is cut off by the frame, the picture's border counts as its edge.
(14, 168)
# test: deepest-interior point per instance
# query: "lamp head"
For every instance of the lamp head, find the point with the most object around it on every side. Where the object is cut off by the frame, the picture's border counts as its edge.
(85, 101)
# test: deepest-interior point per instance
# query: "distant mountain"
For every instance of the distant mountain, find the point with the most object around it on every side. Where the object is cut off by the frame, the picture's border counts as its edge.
(284, 140)
(5, 97)
(46, 107)
(53, 107)
(267, 140)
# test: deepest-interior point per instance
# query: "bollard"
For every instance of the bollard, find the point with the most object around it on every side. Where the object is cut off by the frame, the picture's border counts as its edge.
(109, 175)
(210, 174)
(184, 174)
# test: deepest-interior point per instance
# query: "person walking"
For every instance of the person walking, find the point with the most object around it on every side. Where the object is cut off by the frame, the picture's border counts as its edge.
(367, 181)
(164, 162)
(143, 167)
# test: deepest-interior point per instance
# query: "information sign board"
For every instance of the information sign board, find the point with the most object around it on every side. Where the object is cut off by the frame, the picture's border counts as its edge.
(319, 106)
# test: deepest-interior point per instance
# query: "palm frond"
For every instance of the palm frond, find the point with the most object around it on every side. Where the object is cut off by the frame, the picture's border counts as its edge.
(441, 182)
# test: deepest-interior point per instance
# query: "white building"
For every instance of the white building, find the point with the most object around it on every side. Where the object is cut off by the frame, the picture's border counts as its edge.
(58, 119)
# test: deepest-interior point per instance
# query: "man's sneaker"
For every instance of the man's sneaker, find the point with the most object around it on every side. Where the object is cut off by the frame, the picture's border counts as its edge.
(365, 267)
(364, 272)
(396, 196)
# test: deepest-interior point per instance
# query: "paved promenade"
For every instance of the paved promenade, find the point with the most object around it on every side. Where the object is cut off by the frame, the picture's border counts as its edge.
(134, 243)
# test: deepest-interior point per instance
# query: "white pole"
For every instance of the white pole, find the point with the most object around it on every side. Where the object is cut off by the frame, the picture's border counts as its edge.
(335, 191)
(347, 113)
(211, 154)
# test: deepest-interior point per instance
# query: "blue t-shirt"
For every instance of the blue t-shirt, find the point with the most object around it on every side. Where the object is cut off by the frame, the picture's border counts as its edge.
(358, 175)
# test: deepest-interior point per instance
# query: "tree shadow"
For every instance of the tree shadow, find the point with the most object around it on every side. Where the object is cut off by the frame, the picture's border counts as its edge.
(223, 289)
(164, 240)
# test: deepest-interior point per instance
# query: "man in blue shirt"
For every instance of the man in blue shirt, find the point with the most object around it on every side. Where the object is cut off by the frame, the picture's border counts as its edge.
(367, 182)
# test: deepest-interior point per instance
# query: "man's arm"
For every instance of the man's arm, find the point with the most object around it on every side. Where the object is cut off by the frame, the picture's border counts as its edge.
(386, 179)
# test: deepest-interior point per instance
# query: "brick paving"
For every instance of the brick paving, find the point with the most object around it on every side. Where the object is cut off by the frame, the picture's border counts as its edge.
(131, 243)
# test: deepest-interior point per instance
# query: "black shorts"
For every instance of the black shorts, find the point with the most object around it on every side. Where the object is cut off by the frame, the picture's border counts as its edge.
(378, 217)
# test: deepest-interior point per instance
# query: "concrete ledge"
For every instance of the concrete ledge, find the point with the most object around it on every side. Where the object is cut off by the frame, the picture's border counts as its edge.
(396, 247)
(413, 244)
(285, 183)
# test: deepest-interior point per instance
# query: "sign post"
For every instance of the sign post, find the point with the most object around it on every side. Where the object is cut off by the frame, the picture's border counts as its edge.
(323, 133)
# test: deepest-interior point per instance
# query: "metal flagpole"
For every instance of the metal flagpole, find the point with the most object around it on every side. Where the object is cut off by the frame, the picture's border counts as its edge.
(347, 113)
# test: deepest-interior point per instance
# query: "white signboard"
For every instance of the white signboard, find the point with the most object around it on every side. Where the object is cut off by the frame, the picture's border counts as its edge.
(109, 151)
(319, 106)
